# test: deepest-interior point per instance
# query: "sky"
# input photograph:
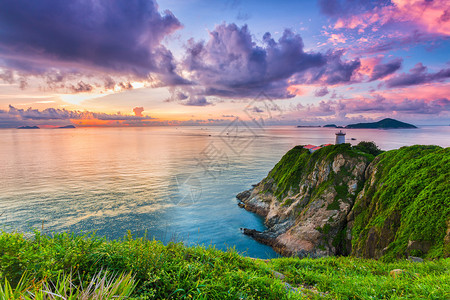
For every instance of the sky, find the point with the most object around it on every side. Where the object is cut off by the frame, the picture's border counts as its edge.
(208, 62)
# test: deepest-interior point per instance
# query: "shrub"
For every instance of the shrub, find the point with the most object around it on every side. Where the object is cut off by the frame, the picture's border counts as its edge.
(368, 147)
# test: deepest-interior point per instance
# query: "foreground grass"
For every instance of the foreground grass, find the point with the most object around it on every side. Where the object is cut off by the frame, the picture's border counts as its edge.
(103, 286)
(156, 271)
(353, 278)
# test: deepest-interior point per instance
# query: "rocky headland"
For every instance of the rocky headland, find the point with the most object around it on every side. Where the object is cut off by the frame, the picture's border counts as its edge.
(344, 200)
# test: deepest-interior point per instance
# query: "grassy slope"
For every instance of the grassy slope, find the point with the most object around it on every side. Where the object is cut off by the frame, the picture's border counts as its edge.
(411, 189)
(172, 271)
(354, 278)
(175, 271)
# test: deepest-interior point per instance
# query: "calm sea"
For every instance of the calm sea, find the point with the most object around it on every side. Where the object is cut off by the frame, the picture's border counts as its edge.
(170, 183)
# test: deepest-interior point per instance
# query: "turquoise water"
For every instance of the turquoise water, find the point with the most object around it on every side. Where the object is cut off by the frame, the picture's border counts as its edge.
(170, 183)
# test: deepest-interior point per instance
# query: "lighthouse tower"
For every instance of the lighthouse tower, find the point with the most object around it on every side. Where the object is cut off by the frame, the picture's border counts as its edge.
(340, 137)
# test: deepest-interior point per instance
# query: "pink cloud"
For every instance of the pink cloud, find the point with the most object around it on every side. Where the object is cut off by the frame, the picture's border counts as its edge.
(367, 108)
(426, 102)
(429, 16)
(375, 68)
(433, 16)
(337, 38)
(295, 90)
(138, 111)
(426, 91)
(368, 63)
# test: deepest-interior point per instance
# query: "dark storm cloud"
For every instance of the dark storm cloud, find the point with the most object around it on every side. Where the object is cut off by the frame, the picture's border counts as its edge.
(122, 36)
(382, 70)
(418, 75)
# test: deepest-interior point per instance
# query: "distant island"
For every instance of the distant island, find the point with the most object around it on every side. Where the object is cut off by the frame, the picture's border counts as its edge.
(386, 123)
(383, 124)
(66, 127)
(332, 126)
(28, 127)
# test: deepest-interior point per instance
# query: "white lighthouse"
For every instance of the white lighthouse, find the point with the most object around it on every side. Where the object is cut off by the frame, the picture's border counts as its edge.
(340, 137)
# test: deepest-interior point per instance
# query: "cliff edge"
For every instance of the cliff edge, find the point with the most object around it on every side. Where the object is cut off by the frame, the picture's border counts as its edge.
(342, 200)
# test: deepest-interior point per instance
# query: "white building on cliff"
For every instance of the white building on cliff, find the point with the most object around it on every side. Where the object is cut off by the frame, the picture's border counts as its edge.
(340, 137)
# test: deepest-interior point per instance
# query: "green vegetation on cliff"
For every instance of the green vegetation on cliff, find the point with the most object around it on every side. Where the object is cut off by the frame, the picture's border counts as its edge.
(385, 205)
(314, 192)
(404, 208)
(150, 270)
(299, 162)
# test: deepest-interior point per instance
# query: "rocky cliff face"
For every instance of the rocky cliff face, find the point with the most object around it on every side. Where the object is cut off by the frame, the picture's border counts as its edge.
(306, 198)
(330, 203)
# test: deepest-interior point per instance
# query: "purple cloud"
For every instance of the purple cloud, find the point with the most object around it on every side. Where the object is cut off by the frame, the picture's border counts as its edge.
(15, 117)
(63, 114)
(418, 75)
(257, 109)
(372, 105)
(382, 70)
(188, 95)
(231, 64)
(196, 101)
(336, 70)
(380, 26)
(81, 87)
(123, 37)
(321, 92)
(406, 106)
(7, 76)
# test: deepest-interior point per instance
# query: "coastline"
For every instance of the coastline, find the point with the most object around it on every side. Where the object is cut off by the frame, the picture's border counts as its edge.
(313, 216)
